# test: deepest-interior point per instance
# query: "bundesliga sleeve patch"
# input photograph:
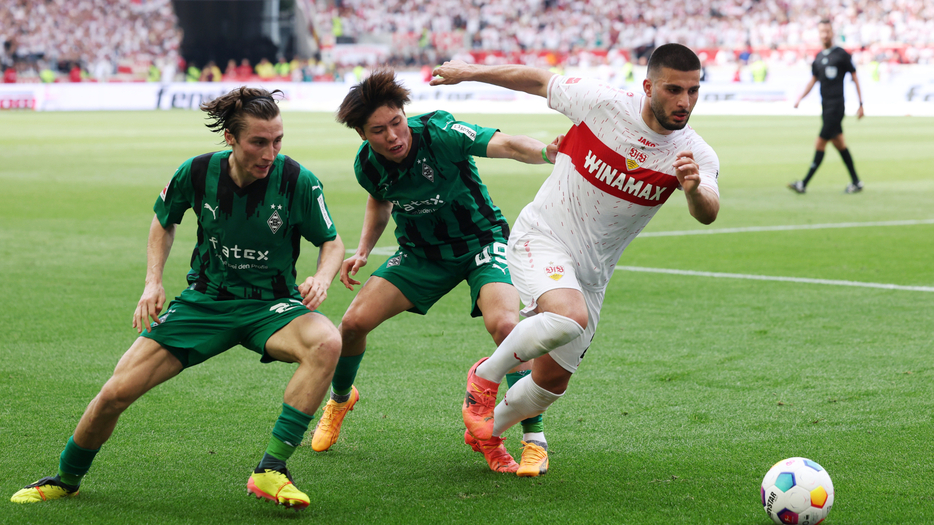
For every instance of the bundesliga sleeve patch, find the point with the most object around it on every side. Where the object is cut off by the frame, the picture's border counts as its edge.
(324, 211)
(460, 128)
(164, 191)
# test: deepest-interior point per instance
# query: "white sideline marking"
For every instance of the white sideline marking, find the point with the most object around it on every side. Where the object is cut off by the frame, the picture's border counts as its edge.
(784, 279)
(385, 250)
(788, 228)
(389, 250)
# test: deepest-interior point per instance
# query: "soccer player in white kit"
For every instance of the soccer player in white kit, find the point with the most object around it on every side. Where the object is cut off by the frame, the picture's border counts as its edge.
(625, 155)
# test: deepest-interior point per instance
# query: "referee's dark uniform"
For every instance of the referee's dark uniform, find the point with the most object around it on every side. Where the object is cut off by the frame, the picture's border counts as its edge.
(829, 68)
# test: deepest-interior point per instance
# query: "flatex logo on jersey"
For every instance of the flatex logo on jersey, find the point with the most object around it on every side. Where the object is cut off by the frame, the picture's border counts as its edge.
(614, 174)
(238, 258)
(420, 207)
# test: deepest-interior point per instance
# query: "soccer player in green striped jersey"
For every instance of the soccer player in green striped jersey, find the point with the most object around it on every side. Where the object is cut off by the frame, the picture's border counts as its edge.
(420, 171)
(253, 206)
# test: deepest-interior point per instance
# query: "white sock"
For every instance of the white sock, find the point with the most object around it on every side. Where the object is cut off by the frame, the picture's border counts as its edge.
(524, 400)
(531, 338)
(536, 437)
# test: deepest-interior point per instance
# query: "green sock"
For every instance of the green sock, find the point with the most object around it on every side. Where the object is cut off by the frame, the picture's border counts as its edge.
(532, 424)
(288, 433)
(74, 462)
(345, 373)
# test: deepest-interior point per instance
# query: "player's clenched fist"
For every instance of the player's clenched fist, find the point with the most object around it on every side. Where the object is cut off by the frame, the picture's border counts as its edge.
(687, 171)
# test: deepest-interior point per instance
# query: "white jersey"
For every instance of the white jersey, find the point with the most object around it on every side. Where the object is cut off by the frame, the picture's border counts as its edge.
(611, 175)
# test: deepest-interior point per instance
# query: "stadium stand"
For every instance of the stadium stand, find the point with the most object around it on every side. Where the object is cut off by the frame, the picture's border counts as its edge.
(111, 39)
(121, 39)
(561, 26)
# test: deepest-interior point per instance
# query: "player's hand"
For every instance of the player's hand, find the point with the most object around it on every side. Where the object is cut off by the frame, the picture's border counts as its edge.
(314, 292)
(797, 102)
(859, 113)
(350, 267)
(687, 171)
(552, 149)
(450, 72)
(149, 307)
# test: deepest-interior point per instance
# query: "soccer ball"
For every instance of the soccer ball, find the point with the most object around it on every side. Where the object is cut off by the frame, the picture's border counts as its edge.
(797, 491)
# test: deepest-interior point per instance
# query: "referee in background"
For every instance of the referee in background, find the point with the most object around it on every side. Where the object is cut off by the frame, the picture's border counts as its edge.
(829, 68)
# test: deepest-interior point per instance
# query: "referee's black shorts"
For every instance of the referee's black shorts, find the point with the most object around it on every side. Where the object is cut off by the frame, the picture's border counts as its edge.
(833, 119)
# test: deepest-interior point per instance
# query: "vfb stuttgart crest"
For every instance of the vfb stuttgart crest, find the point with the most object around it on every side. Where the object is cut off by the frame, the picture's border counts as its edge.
(554, 271)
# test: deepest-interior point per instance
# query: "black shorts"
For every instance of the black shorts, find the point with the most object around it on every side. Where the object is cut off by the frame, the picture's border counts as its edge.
(833, 120)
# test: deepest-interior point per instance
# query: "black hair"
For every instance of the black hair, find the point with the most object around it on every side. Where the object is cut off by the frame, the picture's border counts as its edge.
(379, 89)
(673, 56)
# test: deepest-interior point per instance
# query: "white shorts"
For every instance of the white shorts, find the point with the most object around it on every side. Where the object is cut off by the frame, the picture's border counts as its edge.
(539, 263)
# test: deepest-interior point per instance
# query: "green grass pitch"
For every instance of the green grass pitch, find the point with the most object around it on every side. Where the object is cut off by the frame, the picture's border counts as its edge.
(694, 386)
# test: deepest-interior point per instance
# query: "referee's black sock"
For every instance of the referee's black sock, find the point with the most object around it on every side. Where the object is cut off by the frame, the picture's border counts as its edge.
(818, 158)
(848, 160)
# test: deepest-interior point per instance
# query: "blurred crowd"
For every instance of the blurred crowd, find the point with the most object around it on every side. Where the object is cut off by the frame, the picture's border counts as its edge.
(94, 36)
(76, 40)
(564, 25)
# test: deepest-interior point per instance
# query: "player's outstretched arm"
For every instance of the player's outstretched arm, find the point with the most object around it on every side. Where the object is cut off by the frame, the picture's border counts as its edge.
(515, 77)
(315, 288)
(153, 298)
(703, 204)
(375, 220)
(807, 89)
(521, 148)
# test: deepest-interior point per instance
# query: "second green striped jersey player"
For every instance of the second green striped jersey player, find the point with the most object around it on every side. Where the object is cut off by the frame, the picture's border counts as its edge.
(441, 208)
(420, 172)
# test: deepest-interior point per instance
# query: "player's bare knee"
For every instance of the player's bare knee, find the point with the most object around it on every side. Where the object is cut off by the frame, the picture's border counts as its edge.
(579, 316)
(500, 328)
(329, 349)
(354, 325)
(322, 347)
(113, 399)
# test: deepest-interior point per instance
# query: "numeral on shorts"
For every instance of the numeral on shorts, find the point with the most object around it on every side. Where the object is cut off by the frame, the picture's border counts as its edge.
(498, 254)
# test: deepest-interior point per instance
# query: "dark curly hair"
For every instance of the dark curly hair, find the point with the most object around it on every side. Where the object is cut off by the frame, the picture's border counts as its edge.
(379, 89)
(228, 112)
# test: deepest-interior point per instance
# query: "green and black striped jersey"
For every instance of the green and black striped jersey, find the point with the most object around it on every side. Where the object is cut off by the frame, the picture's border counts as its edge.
(441, 207)
(248, 238)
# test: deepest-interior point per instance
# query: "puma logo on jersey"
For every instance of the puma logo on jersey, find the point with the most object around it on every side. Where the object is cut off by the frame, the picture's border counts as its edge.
(212, 210)
(284, 307)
